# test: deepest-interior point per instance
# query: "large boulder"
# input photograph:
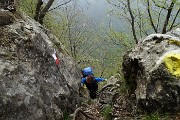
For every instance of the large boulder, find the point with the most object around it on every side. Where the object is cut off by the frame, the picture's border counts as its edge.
(152, 72)
(32, 86)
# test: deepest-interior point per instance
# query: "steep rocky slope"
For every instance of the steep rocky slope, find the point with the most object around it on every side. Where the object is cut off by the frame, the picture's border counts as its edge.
(152, 73)
(32, 85)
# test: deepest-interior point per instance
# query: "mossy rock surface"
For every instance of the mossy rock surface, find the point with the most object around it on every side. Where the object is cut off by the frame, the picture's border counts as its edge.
(6, 18)
(152, 71)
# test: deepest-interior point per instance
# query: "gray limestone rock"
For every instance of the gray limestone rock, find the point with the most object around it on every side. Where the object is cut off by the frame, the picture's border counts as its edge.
(152, 71)
(32, 86)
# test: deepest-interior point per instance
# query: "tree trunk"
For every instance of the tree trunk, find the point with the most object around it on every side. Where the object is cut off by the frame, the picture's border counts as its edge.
(132, 23)
(41, 12)
(150, 17)
(172, 25)
(38, 9)
(44, 11)
(167, 17)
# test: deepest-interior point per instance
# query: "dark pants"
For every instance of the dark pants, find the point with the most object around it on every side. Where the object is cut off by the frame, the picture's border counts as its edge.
(92, 87)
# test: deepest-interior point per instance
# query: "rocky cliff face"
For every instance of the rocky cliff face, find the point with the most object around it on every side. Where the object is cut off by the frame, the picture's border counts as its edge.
(32, 86)
(152, 71)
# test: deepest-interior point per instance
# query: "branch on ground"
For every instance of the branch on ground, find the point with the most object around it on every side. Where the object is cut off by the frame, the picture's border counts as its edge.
(79, 110)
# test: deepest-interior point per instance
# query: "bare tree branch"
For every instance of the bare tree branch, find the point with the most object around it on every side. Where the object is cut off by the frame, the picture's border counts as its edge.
(113, 4)
(150, 17)
(59, 5)
(160, 6)
(172, 25)
(44, 11)
(132, 23)
(140, 20)
(41, 12)
(159, 16)
(79, 110)
(176, 25)
(167, 17)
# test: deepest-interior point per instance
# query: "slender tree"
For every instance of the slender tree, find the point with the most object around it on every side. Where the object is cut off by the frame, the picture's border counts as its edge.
(161, 17)
(132, 20)
(41, 11)
(169, 11)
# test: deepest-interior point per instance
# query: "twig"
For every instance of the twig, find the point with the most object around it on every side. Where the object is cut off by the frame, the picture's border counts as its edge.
(60, 5)
(79, 110)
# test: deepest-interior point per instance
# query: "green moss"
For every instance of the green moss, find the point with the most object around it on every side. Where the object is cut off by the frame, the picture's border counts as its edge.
(66, 116)
(156, 116)
(106, 112)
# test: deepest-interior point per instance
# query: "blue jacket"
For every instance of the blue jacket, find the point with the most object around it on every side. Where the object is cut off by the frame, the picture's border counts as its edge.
(83, 80)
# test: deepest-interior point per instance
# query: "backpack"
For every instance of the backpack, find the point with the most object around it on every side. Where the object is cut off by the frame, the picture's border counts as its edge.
(87, 71)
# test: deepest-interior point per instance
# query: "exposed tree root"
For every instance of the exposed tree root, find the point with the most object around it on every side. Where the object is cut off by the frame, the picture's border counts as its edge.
(79, 110)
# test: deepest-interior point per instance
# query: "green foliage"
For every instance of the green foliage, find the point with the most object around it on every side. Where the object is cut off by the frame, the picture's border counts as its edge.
(152, 117)
(112, 48)
(66, 116)
(124, 88)
(28, 6)
(142, 21)
(101, 49)
(106, 112)
(155, 116)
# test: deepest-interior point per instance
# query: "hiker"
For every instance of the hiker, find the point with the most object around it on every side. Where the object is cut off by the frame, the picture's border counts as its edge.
(90, 81)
